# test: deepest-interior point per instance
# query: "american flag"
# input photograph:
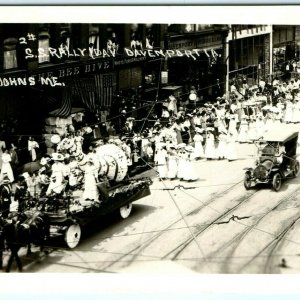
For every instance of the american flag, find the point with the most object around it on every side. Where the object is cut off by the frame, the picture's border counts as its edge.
(85, 88)
(105, 88)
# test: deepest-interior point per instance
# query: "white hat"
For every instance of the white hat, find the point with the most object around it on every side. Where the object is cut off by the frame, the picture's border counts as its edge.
(25, 175)
(189, 148)
(180, 146)
(199, 130)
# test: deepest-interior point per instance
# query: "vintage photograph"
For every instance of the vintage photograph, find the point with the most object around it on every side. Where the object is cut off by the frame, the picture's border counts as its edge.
(154, 148)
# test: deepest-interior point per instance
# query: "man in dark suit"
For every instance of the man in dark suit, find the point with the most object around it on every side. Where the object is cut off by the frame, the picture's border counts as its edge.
(5, 197)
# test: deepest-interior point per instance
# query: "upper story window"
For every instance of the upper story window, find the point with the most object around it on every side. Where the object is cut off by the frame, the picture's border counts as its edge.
(149, 36)
(189, 28)
(94, 38)
(199, 27)
(65, 38)
(10, 53)
(43, 44)
(112, 41)
(136, 40)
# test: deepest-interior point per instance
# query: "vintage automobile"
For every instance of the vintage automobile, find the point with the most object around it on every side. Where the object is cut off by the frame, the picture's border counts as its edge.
(277, 159)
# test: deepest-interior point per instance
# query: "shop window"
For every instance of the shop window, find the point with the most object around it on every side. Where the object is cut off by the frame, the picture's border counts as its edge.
(44, 41)
(94, 39)
(10, 54)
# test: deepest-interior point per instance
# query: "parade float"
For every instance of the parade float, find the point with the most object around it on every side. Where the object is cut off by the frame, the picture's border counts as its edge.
(71, 203)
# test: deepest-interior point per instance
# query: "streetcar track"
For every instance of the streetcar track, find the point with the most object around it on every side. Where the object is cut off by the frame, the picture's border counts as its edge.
(141, 247)
(268, 267)
(238, 239)
(185, 244)
(277, 238)
(180, 248)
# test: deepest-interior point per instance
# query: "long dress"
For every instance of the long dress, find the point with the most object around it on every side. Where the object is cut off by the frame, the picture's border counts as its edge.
(288, 117)
(172, 165)
(74, 173)
(252, 132)
(231, 148)
(242, 136)
(210, 150)
(190, 170)
(198, 151)
(6, 167)
(222, 146)
(56, 182)
(161, 159)
(90, 183)
(182, 156)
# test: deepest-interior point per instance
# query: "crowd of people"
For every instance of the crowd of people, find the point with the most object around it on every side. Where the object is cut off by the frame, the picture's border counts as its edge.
(177, 133)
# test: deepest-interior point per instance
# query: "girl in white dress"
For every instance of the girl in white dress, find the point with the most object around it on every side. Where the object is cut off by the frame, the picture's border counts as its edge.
(259, 125)
(181, 160)
(57, 177)
(222, 145)
(243, 131)
(172, 162)
(288, 117)
(270, 121)
(198, 140)
(161, 160)
(232, 125)
(231, 147)
(252, 133)
(210, 150)
(190, 173)
(90, 182)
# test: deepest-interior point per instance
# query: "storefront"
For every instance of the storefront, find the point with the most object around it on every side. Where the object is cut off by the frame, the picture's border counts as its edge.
(284, 49)
(250, 55)
(205, 71)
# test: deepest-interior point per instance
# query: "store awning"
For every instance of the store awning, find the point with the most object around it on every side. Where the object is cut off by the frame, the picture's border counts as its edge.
(74, 110)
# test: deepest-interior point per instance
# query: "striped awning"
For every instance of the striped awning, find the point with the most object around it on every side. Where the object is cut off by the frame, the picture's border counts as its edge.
(65, 110)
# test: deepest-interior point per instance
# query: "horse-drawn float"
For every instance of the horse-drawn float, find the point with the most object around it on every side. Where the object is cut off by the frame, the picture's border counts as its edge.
(96, 185)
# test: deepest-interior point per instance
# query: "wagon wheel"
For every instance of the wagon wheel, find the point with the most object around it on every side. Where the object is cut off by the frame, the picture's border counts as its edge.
(125, 210)
(72, 235)
(247, 181)
(276, 182)
(296, 169)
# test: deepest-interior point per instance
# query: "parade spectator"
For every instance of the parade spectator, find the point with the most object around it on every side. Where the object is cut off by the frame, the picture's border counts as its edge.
(5, 196)
(21, 193)
(32, 146)
(6, 167)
